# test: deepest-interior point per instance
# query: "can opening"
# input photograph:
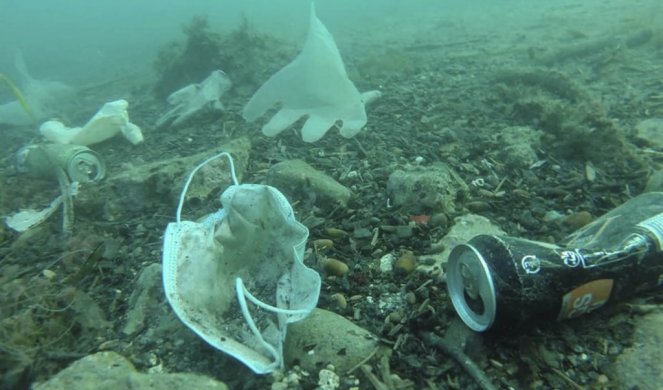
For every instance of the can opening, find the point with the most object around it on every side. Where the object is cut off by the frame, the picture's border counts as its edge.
(85, 167)
(475, 303)
(471, 287)
(80, 163)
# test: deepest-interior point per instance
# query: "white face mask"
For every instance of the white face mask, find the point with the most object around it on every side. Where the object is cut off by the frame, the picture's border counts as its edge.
(238, 278)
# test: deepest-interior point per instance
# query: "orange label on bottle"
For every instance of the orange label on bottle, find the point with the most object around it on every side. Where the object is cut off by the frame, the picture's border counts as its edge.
(583, 299)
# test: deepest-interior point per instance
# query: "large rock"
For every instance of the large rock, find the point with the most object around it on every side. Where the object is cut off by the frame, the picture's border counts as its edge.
(300, 181)
(325, 338)
(465, 228)
(111, 371)
(426, 189)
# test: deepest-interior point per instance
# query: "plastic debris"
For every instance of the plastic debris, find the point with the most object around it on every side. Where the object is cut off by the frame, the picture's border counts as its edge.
(248, 280)
(315, 84)
(195, 100)
(108, 122)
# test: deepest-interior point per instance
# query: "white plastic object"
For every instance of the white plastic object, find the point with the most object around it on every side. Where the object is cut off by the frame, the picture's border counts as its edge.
(110, 120)
(43, 98)
(237, 278)
(27, 219)
(315, 84)
(196, 99)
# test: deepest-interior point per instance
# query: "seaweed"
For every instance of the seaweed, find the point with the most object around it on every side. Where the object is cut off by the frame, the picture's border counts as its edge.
(602, 47)
(51, 309)
(179, 65)
(245, 55)
(576, 125)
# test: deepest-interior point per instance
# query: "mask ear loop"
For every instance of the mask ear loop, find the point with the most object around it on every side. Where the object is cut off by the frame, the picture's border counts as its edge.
(233, 176)
(241, 289)
(242, 294)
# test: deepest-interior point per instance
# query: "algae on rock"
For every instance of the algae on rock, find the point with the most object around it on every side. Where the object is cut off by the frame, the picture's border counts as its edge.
(575, 123)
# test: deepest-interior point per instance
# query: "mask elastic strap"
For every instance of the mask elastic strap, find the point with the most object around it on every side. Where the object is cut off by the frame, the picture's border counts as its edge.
(242, 294)
(241, 290)
(195, 170)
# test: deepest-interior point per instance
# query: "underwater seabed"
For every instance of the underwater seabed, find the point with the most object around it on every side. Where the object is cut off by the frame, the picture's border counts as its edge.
(534, 139)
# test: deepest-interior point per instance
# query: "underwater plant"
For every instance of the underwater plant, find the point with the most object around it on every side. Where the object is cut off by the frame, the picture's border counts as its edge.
(245, 55)
(35, 99)
(179, 65)
(18, 95)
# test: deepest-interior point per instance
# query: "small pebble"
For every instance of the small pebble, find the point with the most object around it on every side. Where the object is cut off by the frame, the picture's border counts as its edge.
(577, 220)
(356, 313)
(478, 206)
(404, 231)
(430, 260)
(48, 274)
(421, 219)
(387, 262)
(335, 267)
(395, 317)
(590, 172)
(511, 369)
(552, 215)
(406, 262)
(522, 193)
(411, 298)
(362, 233)
(439, 220)
(615, 349)
(340, 300)
(323, 244)
(335, 233)
(485, 193)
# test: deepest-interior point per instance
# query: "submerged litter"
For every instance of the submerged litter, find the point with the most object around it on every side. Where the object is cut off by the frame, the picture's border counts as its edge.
(315, 84)
(35, 99)
(237, 279)
(195, 100)
(110, 120)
